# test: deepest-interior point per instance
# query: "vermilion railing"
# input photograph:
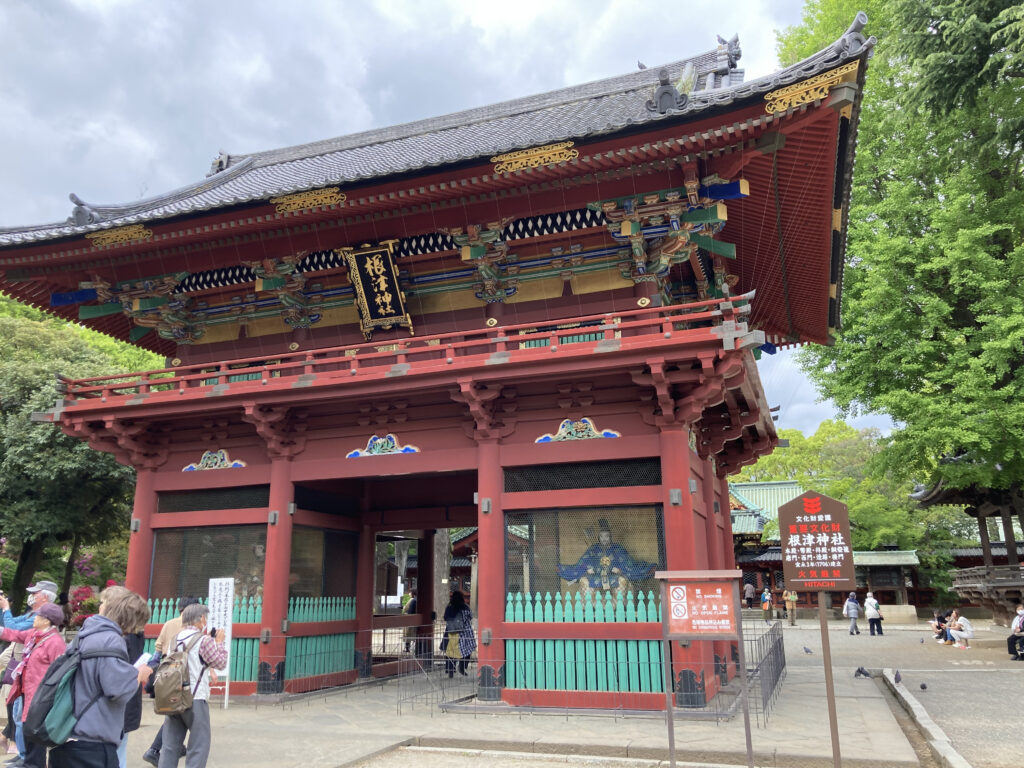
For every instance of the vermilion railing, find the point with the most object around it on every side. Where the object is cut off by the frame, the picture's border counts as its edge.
(461, 349)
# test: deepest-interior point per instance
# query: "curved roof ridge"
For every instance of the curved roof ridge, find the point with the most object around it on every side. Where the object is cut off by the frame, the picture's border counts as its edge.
(631, 81)
(106, 215)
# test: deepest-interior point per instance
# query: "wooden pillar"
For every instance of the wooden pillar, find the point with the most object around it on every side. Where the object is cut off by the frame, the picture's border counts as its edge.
(275, 574)
(716, 555)
(692, 667)
(425, 592)
(140, 545)
(1008, 537)
(365, 567)
(490, 571)
(986, 546)
(678, 518)
(723, 496)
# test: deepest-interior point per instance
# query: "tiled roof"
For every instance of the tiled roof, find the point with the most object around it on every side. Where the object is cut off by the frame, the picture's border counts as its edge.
(599, 108)
(766, 497)
(747, 523)
(998, 549)
(880, 558)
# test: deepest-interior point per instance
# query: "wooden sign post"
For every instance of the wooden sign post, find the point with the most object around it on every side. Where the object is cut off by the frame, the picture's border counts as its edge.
(701, 605)
(817, 555)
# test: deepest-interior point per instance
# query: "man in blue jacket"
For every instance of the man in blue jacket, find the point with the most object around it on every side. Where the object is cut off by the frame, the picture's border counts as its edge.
(104, 685)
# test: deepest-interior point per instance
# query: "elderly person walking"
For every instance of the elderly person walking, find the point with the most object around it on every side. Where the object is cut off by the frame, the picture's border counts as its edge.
(851, 610)
(43, 645)
(873, 613)
(105, 684)
(203, 654)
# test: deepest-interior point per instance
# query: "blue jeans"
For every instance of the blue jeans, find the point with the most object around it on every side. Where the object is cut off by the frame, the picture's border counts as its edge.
(122, 752)
(19, 737)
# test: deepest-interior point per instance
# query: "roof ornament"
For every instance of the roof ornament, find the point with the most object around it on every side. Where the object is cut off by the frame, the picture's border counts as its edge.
(667, 97)
(82, 213)
(731, 52)
(853, 41)
(220, 163)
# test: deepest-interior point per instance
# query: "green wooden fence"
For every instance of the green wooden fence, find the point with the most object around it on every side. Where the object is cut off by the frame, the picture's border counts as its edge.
(303, 609)
(600, 607)
(245, 657)
(247, 610)
(584, 665)
(321, 655)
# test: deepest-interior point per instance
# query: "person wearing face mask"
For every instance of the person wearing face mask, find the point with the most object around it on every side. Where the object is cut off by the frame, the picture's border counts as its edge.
(39, 594)
(1015, 642)
(43, 644)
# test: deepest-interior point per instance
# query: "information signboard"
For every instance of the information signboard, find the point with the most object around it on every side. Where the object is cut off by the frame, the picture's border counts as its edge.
(698, 608)
(221, 603)
(816, 552)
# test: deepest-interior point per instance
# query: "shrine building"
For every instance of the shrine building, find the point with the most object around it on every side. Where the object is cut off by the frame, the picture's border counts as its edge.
(538, 318)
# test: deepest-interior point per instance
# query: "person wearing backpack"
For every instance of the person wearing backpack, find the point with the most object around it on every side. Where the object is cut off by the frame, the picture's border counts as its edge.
(104, 685)
(165, 644)
(204, 652)
(43, 645)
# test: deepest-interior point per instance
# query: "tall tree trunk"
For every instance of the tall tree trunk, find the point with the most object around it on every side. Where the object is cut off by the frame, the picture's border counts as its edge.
(69, 569)
(402, 559)
(442, 569)
(28, 563)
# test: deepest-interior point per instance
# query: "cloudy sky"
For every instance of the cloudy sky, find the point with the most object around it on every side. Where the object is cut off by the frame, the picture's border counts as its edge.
(116, 100)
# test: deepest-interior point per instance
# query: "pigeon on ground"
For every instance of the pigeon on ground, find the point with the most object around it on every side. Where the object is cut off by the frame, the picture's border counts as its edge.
(924, 686)
(861, 672)
(807, 650)
(898, 677)
(922, 639)
(640, 64)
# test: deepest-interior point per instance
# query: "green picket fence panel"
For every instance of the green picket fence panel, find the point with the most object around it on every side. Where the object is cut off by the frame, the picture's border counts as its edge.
(245, 658)
(592, 607)
(618, 666)
(319, 655)
(246, 610)
(317, 609)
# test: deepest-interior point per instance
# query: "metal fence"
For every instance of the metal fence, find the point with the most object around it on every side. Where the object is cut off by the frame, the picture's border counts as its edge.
(765, 655)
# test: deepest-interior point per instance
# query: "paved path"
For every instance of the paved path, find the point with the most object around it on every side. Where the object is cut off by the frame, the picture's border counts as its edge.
(967, 695)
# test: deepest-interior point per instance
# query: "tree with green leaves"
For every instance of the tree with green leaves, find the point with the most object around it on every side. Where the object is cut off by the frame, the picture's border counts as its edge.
(932, 333)
(55, 489)
(843, 463)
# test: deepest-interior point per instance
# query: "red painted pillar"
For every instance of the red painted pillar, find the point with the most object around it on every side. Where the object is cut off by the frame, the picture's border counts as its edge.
(691, 666)
(490, 585)
(140, 545)
(728, 550)
(276, 570)
(365, 565)
(716, 556)
(425, 592)
(679, 518)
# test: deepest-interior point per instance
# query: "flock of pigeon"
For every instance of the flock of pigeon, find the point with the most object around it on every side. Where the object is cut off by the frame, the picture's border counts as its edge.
(861, 672)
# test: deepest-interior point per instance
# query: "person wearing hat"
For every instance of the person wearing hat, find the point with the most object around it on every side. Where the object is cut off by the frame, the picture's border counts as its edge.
(43, 645)
(39, 594)
(851, 610)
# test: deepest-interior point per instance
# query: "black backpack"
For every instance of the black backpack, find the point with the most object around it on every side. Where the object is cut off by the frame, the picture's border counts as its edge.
(52, 718)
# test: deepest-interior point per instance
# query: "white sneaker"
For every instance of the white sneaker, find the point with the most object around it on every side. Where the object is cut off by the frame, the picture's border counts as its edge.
(941, 642)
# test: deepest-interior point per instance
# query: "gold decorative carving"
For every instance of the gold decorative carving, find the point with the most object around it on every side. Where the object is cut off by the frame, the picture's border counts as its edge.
(533, 158)
(810, 90)
(119, 235)
(311, 199)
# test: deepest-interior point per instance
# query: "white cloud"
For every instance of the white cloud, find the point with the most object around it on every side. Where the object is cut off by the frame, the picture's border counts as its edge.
(786, 386)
